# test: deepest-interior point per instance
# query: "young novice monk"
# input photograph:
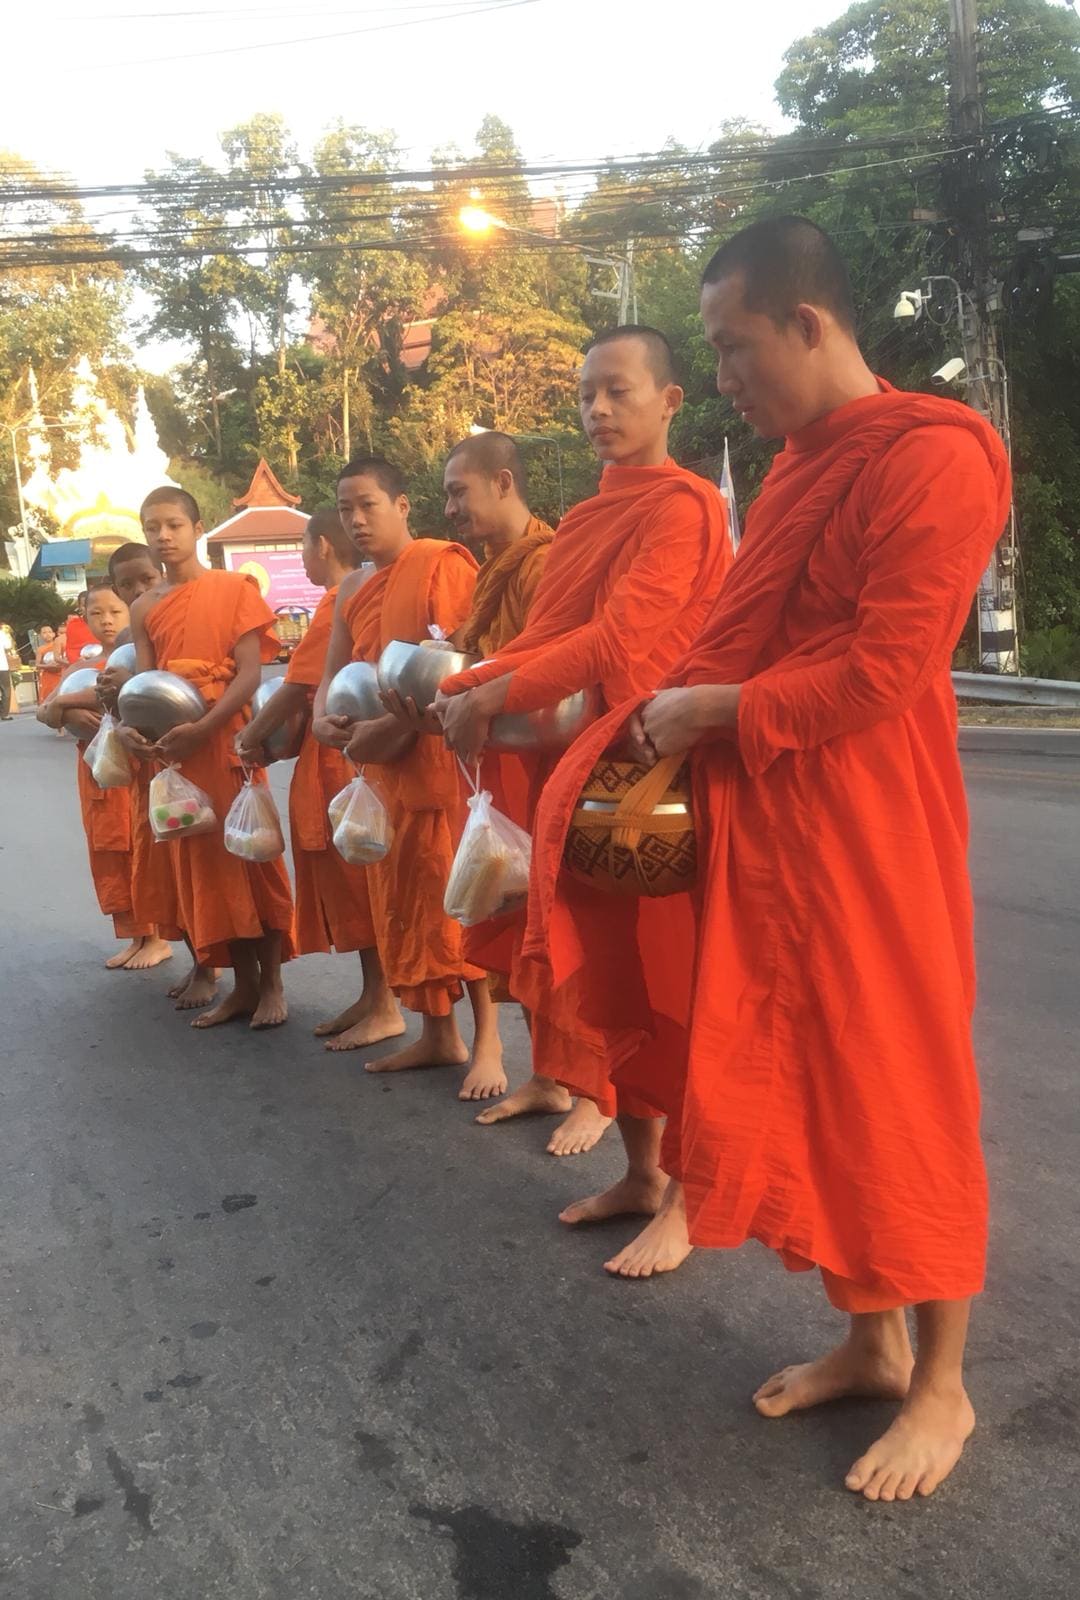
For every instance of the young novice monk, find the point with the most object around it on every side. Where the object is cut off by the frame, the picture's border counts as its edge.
(831, 1104)
(215, 630)
(48, 664)
(630, 579)
(133, 571)
(417, 583)
(106, 813)
(333, 907)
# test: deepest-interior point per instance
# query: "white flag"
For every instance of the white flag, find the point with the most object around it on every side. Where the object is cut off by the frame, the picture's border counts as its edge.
(727, 489)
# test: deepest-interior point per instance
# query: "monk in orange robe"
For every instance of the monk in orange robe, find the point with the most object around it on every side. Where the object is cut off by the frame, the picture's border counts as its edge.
(485, 488)
(78, 634)
(831, 1106)
(333, 906)
(133, 571)
(215, 630)
(48, 663)
(418, 584)
(106, 813)
(629, 582)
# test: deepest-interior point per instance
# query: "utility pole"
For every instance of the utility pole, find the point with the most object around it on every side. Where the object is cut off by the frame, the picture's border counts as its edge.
(987, 382)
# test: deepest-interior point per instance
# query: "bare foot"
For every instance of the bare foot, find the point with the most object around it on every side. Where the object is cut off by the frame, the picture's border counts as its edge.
(151, 953)
(237, 1004)
(122, 957)
(921, 1448)
(272, 1009)
(583, 1128)
(420, 1054)
(200, 989)
(348, 1019)
(538, 1097)
(178, 988)
(872, 1375)
(369, 1028)
(485, 1078)
(662, 1246)
(631, 1196)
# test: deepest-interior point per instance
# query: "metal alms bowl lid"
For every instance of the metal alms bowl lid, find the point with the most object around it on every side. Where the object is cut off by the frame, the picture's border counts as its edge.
(284, 743)
(123, 659)
(415, 673)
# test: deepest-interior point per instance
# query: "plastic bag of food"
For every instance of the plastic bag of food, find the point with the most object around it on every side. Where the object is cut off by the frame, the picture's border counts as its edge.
(253, 827)
(363, 832)
(106, 757)
(490, 874)
(179, 808)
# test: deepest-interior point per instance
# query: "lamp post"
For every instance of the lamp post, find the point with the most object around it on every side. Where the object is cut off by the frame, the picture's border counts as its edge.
(474, 219)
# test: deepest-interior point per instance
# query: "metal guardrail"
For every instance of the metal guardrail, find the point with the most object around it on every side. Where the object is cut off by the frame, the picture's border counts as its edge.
(1009, 691)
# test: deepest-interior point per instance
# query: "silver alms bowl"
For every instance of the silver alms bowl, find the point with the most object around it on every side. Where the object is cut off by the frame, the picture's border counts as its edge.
(123, 659)
(284, 743)
(155, 702)
(415, 673)
(79, 681)
(354, 693)
(552, 728)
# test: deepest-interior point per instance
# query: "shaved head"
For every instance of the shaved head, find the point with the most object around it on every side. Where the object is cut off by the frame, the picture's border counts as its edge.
(490, 454)
(327, 524)
(786, 262)
(659, 355)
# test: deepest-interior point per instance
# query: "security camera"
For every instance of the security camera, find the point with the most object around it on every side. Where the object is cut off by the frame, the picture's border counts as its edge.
(950, 371)
(909, 305)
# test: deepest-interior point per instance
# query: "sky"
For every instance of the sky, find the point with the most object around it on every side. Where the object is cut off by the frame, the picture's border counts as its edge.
(110, 86)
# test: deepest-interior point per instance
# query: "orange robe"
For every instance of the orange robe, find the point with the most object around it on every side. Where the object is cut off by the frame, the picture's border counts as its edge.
(333, 908)
(107, 823)
(194, 629)
(505, 589)
(421, 948)
(630, 580)
(77, 637)
(48, 681)
(153, 881)
(831, 1104)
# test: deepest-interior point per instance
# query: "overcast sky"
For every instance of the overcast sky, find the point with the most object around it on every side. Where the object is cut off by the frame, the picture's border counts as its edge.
(104, 88)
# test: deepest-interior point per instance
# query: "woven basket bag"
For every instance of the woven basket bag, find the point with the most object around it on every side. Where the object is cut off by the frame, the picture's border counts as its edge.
(632, 831)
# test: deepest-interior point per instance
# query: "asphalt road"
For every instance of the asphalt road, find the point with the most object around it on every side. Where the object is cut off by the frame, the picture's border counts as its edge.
(273, 1329)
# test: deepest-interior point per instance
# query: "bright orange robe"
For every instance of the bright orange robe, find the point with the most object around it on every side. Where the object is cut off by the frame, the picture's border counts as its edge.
(421, 948)
(333, 907)
(107, 823)
(153, 882)
(630, 580)
(77, 637)
(48, 682)
(831, 1102)
(194, 629)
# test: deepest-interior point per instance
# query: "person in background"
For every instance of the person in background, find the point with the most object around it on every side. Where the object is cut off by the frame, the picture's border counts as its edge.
(9, 663)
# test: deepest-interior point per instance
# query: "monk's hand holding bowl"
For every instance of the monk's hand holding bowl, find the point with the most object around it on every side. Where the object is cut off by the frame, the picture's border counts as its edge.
(405, 709)
(182, 741)
(108, 687)
(252, 752)
(333, 731)
(676, 720)
(466, 718)
(135, 743)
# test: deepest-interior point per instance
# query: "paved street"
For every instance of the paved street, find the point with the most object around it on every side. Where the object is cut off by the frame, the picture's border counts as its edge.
(274, 1329)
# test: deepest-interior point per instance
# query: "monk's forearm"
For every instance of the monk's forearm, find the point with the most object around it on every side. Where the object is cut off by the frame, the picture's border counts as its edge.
(383, 740)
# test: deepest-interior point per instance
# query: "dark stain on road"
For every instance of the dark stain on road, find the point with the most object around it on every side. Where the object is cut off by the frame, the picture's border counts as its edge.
(238, 1202)
(373, 1454)
(87, 1504)
(136, 1501)
(394, 1366)
(153, 1394)
(202, 1216)
(184, 1380)
(93, 1419)
(264, 1283)
(204, 1330)
(494, 1558)
(165, 1263)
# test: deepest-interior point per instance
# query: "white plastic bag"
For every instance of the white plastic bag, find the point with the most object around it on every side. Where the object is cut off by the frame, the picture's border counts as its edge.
(253, 827)
(363, 832)
(179, 808)
(106, 757)
(490, 874)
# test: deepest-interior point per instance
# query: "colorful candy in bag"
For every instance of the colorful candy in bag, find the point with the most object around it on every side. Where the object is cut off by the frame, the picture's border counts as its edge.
(178, 808)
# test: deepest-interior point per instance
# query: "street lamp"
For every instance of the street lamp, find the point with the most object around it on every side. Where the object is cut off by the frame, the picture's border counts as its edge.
(475, 220)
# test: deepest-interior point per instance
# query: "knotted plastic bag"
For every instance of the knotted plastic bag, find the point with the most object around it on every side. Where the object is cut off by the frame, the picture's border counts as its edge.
(363, 832)
(253, 827)
(490, 874)
(178, 808)
(106, 757)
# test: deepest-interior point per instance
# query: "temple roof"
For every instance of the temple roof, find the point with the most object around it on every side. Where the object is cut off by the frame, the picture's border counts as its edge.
(265, 490)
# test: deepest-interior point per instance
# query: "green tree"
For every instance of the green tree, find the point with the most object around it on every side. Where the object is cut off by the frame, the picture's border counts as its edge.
(26, 604)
